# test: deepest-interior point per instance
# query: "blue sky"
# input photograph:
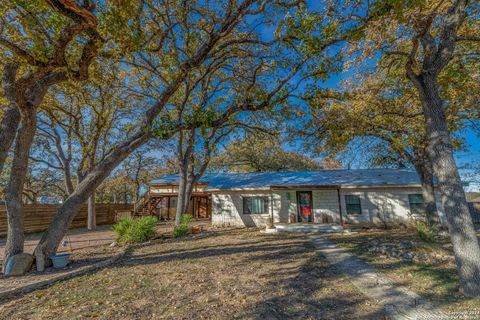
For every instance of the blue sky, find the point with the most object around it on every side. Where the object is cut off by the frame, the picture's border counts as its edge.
(466, 158)
(470, 158)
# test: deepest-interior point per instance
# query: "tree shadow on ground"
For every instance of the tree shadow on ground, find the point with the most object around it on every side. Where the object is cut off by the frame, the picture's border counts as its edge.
(215, 251)
(306, 290)
(277, 277)
(314, 290)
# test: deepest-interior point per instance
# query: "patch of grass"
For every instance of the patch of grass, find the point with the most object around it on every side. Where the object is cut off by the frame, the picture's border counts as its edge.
(425, 232)
(137, 230)
(439, 284)
(443, 281)
(183, 229)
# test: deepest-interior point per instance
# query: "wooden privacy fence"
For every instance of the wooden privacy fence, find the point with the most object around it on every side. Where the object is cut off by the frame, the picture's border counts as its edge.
(38, 216)
(475, 211)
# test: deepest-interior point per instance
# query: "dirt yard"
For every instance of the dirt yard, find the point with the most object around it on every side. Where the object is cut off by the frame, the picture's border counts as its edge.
(230, 274)
(432, 273)
(80, 239)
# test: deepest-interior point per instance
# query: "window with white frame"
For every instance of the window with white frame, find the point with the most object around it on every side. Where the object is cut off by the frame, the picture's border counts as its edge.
(255, 205)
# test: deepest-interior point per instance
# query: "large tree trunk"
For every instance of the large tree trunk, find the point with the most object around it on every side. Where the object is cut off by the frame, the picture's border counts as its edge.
(185, 149)
(8, 128)
(187, 190)
(14, 190)
(191, 181)
(11, 117)
(187, 197)
(440, 151)
(189, 173)
(182, 195)
(57, 229)
(67, 177)
(428, 193)
(91, 215)
(425, 173)
(51, 238)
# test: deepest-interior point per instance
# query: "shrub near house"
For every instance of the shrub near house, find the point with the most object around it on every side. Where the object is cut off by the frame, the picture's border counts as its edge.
(137, 230)
(183, 229)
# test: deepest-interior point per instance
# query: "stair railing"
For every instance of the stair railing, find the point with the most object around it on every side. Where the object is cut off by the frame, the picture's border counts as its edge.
(141, 202)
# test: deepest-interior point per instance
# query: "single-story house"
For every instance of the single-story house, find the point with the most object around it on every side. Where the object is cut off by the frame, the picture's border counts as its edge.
(357, 196)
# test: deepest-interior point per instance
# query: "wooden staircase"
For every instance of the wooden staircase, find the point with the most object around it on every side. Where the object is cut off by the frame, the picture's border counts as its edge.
(146, 205)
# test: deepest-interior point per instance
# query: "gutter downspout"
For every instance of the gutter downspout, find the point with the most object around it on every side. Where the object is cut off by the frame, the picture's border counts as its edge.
(340, 206)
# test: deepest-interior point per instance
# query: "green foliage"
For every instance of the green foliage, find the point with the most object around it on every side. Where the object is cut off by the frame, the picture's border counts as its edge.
(381, 8)
(186, 219)
(200, 118)
(163, 126)
(183, 229)
(261, 152)
(425, 232)
(121, 228)
(138, 230)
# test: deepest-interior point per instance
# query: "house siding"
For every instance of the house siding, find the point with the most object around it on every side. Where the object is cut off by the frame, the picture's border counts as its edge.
(325, 202)
(227, 209)
(377, 204)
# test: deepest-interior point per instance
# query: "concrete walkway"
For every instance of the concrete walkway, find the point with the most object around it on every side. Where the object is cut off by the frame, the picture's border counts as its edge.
(398, 301)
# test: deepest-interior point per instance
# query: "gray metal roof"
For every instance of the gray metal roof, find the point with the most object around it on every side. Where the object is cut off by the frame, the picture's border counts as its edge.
(323, 178)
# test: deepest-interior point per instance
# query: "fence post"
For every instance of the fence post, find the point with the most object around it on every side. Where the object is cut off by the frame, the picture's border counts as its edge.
(110, 216)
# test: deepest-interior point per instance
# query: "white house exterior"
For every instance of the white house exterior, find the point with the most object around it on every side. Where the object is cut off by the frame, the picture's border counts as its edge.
(377, 205)
(355, 197)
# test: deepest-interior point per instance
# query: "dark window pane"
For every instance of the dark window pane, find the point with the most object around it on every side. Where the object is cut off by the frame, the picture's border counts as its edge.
(417, 206)
(353, 204)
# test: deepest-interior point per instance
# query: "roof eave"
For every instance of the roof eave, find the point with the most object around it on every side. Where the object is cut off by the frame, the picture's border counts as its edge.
(317, 187)
(237, 189)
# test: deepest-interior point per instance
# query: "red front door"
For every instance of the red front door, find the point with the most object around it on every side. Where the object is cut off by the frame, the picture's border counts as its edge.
(304, 205)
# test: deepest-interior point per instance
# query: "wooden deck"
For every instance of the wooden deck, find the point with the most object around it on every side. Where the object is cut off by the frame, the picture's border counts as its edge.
(164, 206)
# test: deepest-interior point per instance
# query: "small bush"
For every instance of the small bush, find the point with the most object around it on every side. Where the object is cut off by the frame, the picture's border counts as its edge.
(186, 219)
(130, 230)
(425, 232)
(183, 229)
(121, 227)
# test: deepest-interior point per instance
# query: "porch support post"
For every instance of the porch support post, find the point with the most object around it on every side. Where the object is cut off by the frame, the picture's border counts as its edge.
(271, 205)
(194, 209)
(168, 208)
(340, 206)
